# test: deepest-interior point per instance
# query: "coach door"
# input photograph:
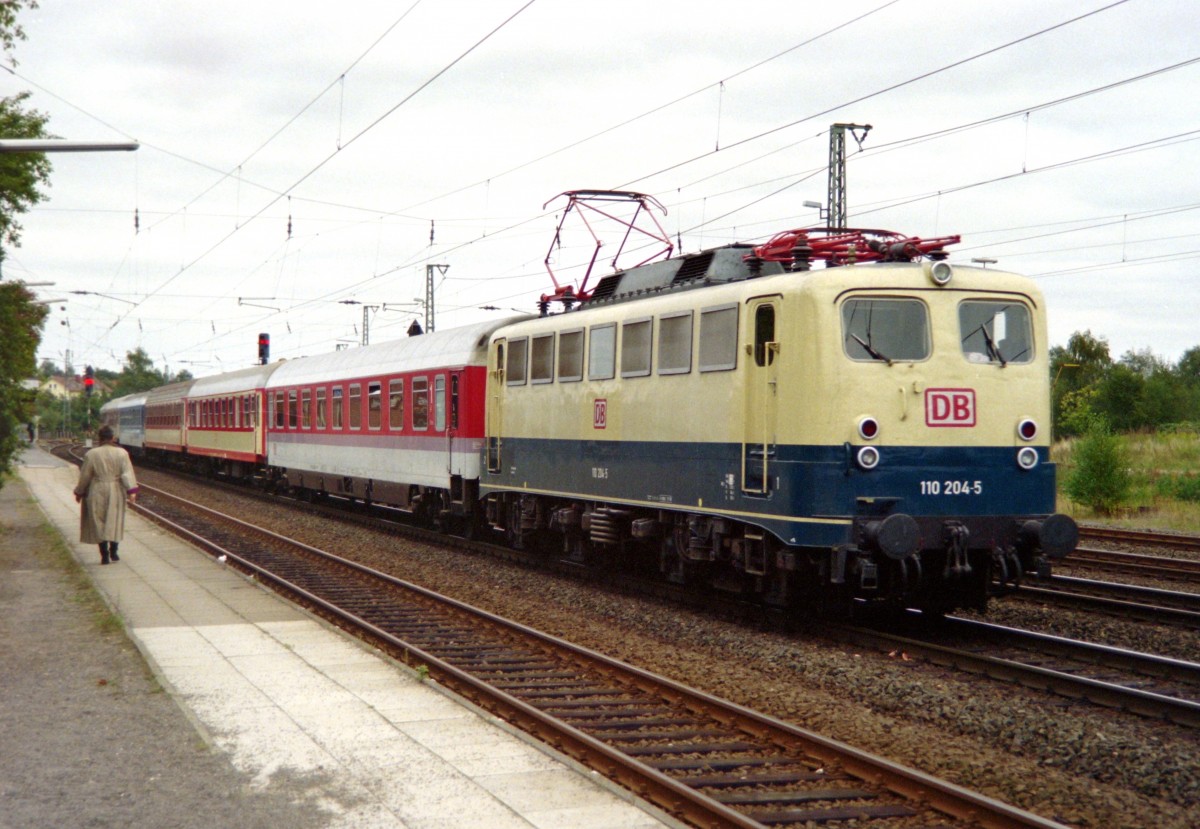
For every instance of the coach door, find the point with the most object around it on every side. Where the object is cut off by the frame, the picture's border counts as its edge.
(761, 396)
(495, 402)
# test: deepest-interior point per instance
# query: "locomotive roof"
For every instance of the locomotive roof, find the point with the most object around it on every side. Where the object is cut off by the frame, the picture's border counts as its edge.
(453, 347)
(242, 380)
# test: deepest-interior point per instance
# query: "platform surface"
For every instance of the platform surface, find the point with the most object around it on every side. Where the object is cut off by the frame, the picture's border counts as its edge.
(278, 690)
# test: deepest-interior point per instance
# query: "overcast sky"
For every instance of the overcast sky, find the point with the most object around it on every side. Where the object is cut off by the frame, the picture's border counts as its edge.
(1059, 138)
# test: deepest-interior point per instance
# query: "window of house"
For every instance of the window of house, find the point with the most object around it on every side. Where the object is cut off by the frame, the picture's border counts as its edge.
(396, 404)
(602, 352)
(354, 406)
(718, 338)
(675, 344)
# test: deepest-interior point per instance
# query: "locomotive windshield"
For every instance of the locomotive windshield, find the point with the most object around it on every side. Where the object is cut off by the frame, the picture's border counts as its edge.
(885, 330)
(995, 332)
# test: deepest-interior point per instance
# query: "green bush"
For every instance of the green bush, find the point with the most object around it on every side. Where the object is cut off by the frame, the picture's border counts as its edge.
(1100, 479)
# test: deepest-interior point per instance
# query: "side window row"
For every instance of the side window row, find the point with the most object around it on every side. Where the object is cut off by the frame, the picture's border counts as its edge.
(339, 407)
(237, 412)
(629, 345)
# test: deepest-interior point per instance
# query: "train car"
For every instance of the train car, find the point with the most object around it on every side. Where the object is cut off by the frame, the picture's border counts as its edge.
(806, 437)
(127, 417)
(399, 423)
(226, 421)
(166, 421)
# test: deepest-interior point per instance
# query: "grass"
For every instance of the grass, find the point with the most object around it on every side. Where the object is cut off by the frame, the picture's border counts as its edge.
(1164, 468)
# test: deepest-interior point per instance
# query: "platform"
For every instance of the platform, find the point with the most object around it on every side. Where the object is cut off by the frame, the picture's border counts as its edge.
(277, 689)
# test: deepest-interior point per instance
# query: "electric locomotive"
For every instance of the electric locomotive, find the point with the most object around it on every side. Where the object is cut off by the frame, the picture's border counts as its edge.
(866, 431)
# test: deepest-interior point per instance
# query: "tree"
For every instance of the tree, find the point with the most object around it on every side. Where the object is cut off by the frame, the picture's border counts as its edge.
(1082, 365)
(21, 321)
(1100, 479)
(21, 318)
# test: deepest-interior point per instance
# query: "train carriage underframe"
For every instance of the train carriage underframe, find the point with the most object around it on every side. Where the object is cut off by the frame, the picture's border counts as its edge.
(936, 564)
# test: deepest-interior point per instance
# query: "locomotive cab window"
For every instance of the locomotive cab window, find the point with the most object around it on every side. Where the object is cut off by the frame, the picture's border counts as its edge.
(514, 369)
(635, 348)
(885, 330)
(996, 332)
(764, 333)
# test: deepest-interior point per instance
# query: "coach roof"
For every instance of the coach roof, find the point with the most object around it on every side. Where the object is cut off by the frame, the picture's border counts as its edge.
(453, 347)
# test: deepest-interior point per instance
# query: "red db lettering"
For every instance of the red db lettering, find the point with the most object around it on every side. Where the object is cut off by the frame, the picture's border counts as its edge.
(949, 407)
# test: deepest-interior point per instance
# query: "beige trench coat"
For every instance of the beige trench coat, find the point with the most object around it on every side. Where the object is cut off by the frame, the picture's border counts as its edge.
(105, 478)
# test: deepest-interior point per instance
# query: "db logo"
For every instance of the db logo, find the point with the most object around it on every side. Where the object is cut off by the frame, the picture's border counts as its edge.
(949, 407)
(599, 413)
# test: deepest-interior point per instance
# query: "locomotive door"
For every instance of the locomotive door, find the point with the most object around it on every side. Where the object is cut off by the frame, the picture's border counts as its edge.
(761, 396)
(494, 407)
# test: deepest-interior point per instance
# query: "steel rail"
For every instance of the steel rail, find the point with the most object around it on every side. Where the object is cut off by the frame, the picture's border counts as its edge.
(665, 791)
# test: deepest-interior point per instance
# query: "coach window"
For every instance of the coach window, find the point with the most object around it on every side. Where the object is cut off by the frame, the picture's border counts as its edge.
(635, 348)
(454, 401)
(420, 402)
(439, 403)
(541, 361)
(291, 408)
(321, 408)
(375, 405)
(235, 403)
(396, 404)
(995, 332)
(354, 404)
(337, 407)
(675, 344)
(602, 352)
(280, 408)
(514, 369)
(306, 409)
(718, 338)
(885, 330)
(570, 356)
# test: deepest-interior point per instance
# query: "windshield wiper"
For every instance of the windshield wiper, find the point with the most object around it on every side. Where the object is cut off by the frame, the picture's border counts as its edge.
(993, 349)
(870, 349)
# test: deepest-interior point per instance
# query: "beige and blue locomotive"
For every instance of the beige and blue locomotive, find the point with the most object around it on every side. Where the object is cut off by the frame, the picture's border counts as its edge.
(874, 431)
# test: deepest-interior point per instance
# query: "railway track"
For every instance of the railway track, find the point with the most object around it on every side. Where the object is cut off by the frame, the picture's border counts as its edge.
(1144, 684)
(1142, 538)
(1184, 569)
(706, 761)
(1126, 601)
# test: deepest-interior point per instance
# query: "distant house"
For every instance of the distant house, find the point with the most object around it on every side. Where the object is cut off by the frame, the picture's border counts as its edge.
(61, 386)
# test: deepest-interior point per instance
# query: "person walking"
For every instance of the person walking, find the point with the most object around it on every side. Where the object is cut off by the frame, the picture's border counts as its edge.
(105, 480)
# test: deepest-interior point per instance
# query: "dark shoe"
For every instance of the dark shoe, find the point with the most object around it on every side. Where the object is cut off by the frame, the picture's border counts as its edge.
(113, 555)
(104, 560)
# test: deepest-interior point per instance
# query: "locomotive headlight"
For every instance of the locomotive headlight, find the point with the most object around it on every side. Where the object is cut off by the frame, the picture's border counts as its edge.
(941, 273)
(868, 457)
(1027, 429)
(868, 427)
(1027, 458)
